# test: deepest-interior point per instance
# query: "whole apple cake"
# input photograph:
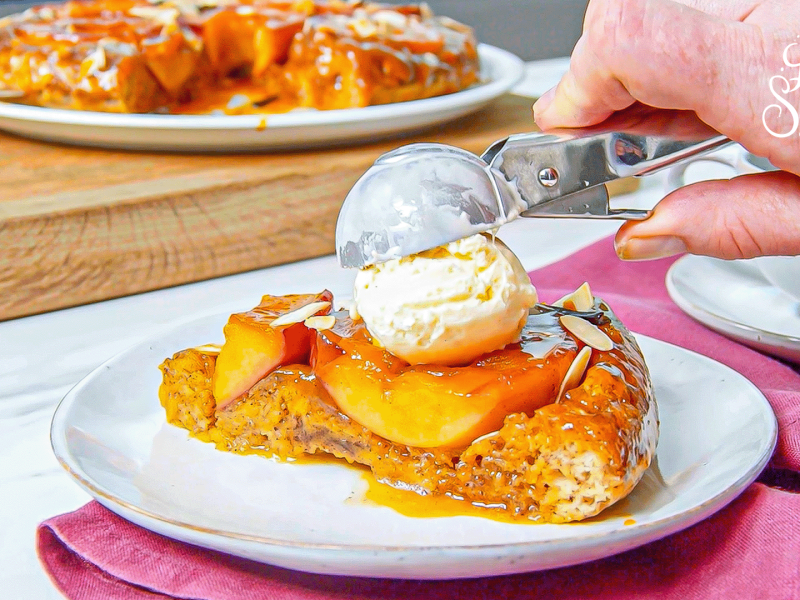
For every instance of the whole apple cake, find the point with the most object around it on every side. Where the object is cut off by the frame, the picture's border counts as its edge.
(231, 56)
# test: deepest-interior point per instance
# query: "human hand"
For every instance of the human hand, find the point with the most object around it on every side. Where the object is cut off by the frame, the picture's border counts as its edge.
(715, 58)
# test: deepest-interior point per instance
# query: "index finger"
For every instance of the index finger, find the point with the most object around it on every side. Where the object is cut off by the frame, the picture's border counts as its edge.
(658, 52)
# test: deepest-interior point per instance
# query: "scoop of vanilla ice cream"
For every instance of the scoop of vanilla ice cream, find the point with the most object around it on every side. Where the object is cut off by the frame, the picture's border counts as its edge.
(448, 305)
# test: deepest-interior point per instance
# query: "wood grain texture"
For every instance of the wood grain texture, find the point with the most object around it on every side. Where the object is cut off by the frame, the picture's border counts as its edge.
(80, 225)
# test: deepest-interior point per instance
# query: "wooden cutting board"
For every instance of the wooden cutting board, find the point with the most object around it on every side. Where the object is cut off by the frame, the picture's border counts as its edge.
(79, 225)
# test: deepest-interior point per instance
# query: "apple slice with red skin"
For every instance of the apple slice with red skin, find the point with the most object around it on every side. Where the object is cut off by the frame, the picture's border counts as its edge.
(253, 348)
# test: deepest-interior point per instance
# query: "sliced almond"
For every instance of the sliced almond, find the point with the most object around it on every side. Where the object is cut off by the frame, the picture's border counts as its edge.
(391, 17)
(96, 61)
(586, 332)
(363, 28)
(214, 3)
(485, 436)
(576, 371)
(194, 41)
(116, 47)
(320, 323)
(209, 348)
(300, 314)
(162, 16)
(580, 300)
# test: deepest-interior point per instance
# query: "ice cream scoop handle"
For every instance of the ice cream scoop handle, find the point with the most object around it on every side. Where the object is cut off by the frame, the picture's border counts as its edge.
(545, 168)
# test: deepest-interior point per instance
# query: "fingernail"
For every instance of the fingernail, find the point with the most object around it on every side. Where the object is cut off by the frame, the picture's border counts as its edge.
(650, 248)
(542, 104)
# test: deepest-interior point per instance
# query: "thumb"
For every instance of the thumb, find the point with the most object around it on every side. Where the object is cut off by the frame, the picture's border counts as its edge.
(750, 215)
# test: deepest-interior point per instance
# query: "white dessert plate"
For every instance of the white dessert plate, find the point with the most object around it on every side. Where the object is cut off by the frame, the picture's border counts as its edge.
(735, 299)
(110, 434)
(500, 71)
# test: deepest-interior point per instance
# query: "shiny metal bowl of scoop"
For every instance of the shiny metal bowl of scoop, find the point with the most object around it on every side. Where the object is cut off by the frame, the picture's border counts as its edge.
(418, 197)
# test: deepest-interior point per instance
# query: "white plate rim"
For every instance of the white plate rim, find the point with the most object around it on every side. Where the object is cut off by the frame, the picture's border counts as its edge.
(750, 332)
(663, 526)
(509, 66)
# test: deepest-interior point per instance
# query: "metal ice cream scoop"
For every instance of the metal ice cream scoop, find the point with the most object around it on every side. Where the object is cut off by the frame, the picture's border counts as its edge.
(425, 195)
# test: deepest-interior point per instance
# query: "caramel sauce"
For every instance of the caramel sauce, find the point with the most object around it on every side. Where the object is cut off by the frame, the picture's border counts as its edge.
(233, 97)
(411, 504)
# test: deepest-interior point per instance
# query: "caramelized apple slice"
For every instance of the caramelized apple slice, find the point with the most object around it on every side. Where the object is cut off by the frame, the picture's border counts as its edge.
(416, 408)
(428, 406)
(272, 43)
(253, 347)
(235, 40)
(228, 41)
(172, 61)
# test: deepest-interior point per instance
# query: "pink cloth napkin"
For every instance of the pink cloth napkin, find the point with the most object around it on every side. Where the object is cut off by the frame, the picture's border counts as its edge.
(749, 549)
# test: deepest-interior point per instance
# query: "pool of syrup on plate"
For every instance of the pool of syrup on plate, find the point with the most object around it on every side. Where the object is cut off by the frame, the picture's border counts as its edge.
(652, 490)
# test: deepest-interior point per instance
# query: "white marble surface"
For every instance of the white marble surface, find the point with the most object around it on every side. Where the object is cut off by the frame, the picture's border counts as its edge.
(42, 357)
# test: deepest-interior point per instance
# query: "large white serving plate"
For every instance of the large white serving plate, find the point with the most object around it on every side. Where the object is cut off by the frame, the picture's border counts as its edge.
(734, 298)
(109, 432)
(500, 71)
